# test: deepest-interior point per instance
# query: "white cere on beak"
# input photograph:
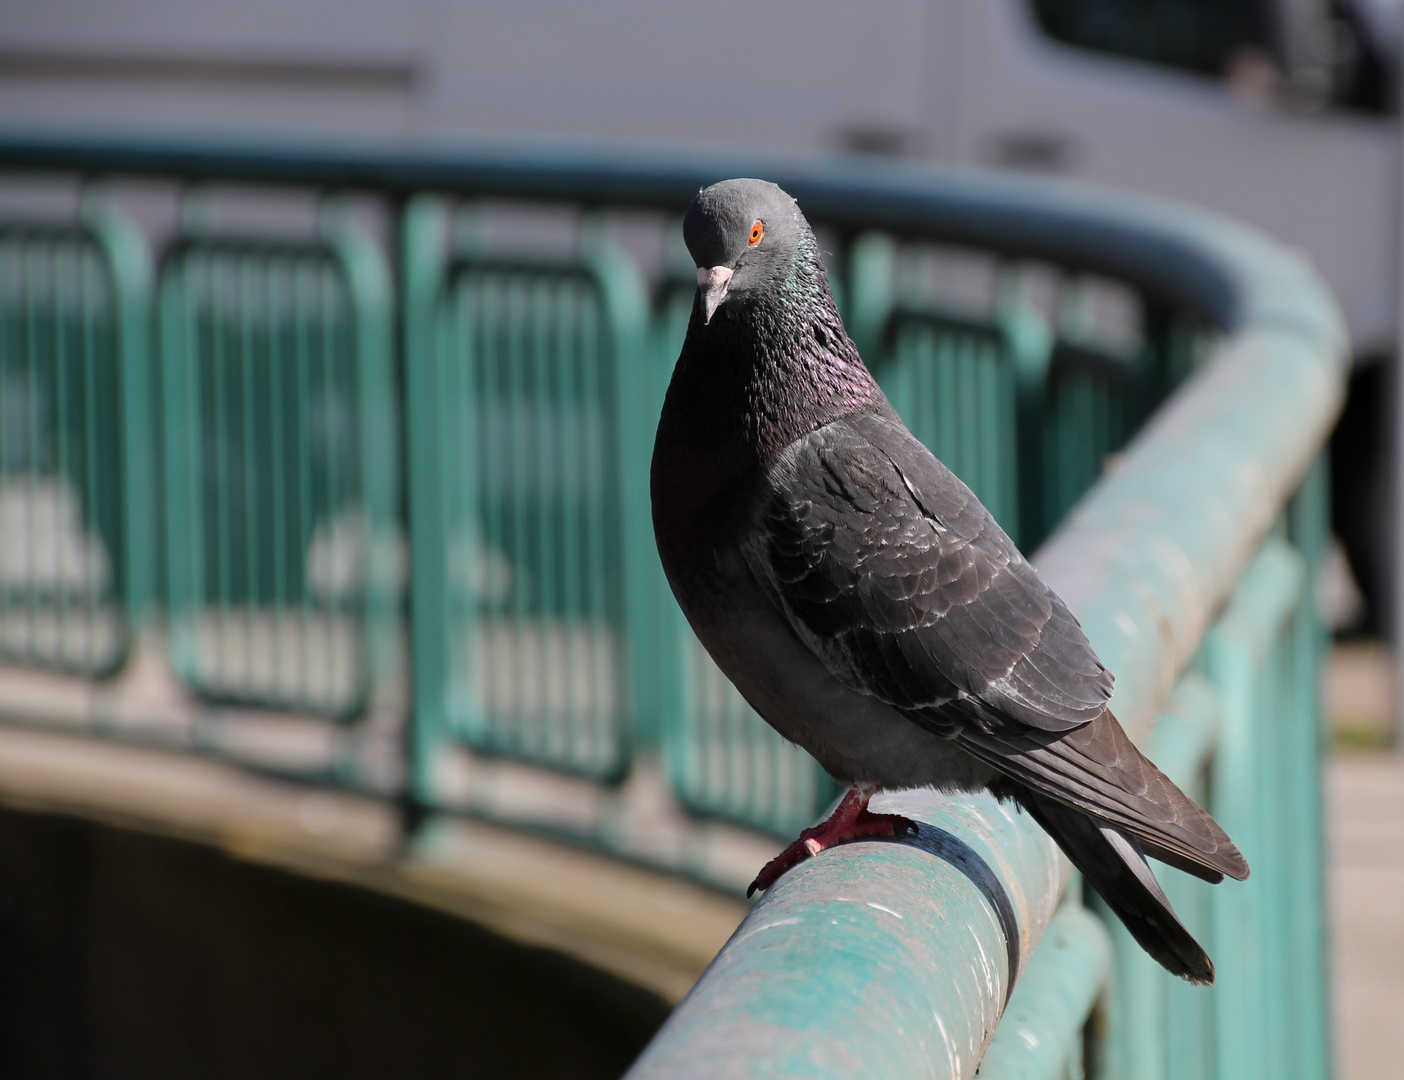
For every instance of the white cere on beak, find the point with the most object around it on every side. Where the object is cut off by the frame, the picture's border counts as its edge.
(712, 282)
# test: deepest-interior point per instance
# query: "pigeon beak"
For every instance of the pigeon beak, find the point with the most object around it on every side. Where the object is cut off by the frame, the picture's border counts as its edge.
(712, 284)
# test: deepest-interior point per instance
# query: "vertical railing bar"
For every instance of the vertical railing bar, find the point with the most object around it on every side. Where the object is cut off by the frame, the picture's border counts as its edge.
(363, 491)
(302, 292)
(496, 469)
(535, 369)
(219, 276)
(986, 449)
(573, 493)
(90, 437)
(923, 378)
(76, 642)
(1005, 386)
(188, 272)
(275, 272)
(597, 394)
(692, 756)
(736, 750)
(575, 424)
(469, 623)
(1277, 969)
(56, 544)
(528, 727)
(972, 354)
(965, 357)
(244, 289)
(551, 487)
(588, 485)
(31, 538)
(943, 354)
(466, 556)
(1309, 514)
(739, 792)
(90, 532)
(597, 481)
(717, 765)
(336, 608)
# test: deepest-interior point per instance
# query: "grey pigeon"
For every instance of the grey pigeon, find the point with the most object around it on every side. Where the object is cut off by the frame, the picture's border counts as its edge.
(864, 602)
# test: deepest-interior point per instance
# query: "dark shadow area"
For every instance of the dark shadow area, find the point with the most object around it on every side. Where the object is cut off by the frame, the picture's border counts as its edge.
(129, 955)
(1361, 502)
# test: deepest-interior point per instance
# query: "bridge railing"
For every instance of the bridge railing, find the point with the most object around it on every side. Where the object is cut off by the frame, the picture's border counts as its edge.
(360, 495)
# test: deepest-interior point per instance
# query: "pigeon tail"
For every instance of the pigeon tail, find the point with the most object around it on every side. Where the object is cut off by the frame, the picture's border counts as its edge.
(1098, 770)
(1111, 860)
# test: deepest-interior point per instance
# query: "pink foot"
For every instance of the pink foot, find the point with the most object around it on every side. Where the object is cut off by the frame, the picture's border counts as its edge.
(850, 819)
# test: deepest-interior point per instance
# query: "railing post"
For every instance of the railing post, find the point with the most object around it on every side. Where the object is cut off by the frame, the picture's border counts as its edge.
(1251, 922)
(625, 299)
(424, 246)
(1309, 519)
(129, 259)
(372, 296)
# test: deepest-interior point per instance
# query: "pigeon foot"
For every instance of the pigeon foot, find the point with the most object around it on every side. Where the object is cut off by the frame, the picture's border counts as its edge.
(849, 820)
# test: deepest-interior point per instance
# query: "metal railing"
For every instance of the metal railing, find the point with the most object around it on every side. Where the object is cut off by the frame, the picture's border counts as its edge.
(422, 564)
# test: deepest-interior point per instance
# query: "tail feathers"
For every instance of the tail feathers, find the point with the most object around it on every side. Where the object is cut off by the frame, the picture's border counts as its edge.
(1113, 862)
(1100, 770)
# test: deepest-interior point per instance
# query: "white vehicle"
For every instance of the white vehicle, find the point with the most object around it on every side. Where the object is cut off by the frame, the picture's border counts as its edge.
(1270, 110)
(1274, 111)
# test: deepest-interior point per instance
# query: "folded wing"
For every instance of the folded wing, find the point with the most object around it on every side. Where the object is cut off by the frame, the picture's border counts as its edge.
(891, 571)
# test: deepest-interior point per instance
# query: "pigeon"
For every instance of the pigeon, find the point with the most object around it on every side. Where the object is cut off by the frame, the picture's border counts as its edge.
(866, 604)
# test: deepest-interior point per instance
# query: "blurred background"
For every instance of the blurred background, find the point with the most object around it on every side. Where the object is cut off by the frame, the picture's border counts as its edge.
(1282, 113)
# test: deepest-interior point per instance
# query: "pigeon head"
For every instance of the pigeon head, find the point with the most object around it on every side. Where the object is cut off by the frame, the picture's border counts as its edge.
(743, 235)
(765, 358)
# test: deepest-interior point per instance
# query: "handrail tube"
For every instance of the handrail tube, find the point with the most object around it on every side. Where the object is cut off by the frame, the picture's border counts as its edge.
(1149, 554)
(1038, 1034)
(881, 959)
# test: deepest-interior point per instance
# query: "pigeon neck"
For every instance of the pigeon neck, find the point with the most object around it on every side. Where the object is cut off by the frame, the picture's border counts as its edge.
(767, 370)
(794, 370)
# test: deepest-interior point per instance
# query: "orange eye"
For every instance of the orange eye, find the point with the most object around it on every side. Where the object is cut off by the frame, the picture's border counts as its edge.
(757, 231)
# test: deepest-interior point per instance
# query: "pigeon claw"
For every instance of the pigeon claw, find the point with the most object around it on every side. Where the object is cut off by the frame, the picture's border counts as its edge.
(849, 821)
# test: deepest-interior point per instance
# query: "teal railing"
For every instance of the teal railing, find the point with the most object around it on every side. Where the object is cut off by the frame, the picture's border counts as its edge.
(75, 454)
(370, 485)
(277, 390)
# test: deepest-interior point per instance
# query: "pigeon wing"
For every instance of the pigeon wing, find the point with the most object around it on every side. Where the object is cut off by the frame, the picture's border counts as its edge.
(894, 574)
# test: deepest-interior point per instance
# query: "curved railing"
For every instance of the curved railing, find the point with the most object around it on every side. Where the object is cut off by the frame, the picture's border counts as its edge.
(555, 687)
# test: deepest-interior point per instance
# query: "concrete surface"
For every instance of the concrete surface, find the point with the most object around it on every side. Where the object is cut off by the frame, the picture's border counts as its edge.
(1365, 823)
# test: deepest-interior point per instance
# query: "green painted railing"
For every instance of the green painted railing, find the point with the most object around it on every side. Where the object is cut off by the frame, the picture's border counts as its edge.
(531, 553)
(277, 404)
(75, 450)
(421, 563)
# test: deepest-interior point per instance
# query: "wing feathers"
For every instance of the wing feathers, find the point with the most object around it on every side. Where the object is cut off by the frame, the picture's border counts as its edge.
(1098, 770)
(888, 568)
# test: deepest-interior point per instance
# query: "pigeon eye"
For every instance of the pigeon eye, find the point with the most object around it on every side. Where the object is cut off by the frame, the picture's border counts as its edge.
(757, 231)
